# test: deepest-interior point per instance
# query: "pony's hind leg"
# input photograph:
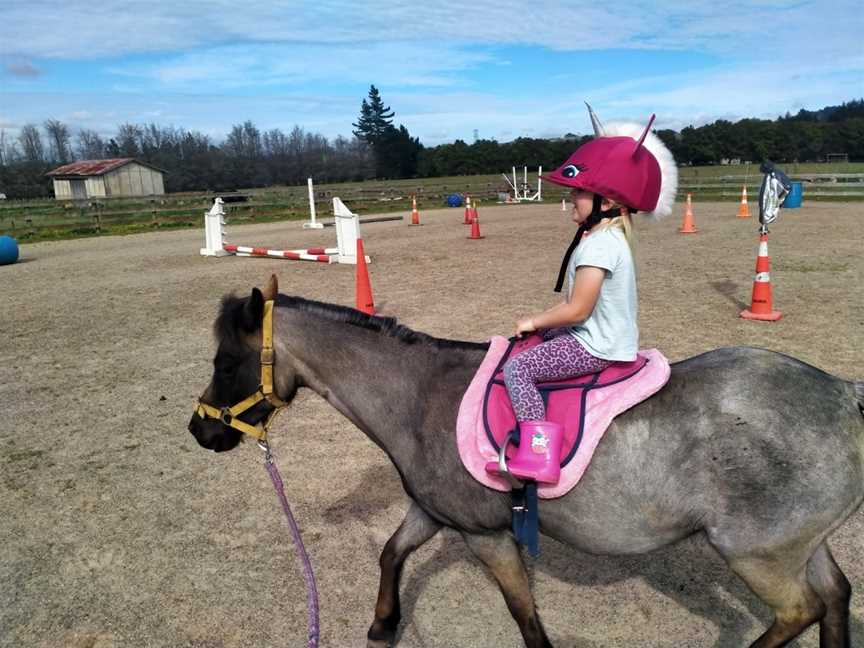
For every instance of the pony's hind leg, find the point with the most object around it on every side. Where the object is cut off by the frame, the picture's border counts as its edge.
(501, 555)
(786, 590)
(416, 528)
(834, 589)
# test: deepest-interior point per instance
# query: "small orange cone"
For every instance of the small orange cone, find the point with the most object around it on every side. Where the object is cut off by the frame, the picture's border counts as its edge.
(687, 227)
(415, 215)
(467, 220)
(475, 226)
(363, 289)
(761, 307)
(744, 208)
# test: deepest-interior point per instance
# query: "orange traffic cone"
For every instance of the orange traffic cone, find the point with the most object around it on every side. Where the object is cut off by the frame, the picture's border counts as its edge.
(761, 307)
(687, 227)
(415, 215)
(467, 220)
(363, 289)
(744, 208)
(475, 226)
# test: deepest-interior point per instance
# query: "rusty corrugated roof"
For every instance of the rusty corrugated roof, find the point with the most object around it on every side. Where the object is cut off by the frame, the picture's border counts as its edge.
(90, 167)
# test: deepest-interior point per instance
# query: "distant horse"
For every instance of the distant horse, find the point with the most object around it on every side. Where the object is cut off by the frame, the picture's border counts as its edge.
(761, 452)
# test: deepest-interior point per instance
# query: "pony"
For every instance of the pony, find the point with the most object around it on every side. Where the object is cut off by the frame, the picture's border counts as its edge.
(761, 453)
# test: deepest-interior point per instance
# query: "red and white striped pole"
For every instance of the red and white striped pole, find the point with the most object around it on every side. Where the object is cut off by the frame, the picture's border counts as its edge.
(322, 255)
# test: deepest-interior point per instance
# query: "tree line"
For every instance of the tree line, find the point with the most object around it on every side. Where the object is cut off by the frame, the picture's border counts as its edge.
(250, 157)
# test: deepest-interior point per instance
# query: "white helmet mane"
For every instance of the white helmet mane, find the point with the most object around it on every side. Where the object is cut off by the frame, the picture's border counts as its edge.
(668, 168)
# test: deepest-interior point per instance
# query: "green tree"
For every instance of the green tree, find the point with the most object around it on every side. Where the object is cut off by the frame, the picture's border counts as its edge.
(398, 153)
(375, 118)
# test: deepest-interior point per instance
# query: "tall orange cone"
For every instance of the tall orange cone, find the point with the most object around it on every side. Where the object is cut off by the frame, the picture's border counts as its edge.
(475, 226)
(467, 220)
(415, 215)
(363, 289)
(761, 307)
(744, 208)
(687, 227)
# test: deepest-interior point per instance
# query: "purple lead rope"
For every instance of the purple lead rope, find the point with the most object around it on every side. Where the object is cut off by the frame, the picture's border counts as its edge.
(308, 576)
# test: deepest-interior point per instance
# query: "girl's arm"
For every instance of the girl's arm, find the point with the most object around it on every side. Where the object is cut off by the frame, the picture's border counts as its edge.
(586, 290)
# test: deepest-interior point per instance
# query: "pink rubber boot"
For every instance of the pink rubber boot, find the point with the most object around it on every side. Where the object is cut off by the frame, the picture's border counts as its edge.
(539, 453)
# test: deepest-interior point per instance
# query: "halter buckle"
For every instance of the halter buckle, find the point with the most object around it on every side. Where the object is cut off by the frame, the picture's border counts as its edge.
(265, 446)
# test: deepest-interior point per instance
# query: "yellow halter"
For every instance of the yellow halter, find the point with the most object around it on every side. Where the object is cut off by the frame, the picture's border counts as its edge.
(228, 415)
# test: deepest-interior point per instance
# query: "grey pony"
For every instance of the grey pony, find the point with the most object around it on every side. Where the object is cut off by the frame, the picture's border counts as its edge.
(759, 452)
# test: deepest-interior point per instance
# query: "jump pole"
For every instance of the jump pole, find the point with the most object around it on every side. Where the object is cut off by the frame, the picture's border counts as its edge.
(347, 233)
(312, 224)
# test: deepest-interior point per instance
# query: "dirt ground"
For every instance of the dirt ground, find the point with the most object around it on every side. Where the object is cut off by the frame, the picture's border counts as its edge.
(117, 530)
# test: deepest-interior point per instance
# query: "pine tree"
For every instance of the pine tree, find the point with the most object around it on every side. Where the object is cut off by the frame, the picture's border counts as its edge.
(375, 118)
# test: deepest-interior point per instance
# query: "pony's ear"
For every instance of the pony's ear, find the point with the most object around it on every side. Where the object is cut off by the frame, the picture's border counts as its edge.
(272, 288)
(253, 312)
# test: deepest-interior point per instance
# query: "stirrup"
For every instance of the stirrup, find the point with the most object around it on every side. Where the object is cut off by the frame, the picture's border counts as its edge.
(503, 470)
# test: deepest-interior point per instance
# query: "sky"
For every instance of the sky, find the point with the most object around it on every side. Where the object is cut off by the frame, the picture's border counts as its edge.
(450, 70)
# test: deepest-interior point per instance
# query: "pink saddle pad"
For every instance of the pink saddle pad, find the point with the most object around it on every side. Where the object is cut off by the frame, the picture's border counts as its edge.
(584, 405)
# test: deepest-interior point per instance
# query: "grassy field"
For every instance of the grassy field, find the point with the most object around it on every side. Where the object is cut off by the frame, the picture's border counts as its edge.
(49, 219)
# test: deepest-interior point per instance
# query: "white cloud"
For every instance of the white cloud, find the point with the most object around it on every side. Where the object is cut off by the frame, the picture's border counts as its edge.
(267, 65)
(278, 63)
(792, 28)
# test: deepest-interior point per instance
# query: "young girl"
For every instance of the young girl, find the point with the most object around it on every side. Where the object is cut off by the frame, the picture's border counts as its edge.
(613, 176)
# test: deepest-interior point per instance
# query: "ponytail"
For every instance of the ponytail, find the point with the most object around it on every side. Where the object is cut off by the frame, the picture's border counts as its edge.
(623, 222)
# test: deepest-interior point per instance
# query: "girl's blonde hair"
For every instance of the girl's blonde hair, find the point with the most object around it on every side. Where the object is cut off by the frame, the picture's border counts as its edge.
(623, 222)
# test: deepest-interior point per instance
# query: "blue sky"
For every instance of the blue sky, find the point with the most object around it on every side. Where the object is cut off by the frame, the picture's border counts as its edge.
(506, 69)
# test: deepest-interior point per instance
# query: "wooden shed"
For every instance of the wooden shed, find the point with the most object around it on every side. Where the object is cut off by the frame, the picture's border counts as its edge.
(117, 177)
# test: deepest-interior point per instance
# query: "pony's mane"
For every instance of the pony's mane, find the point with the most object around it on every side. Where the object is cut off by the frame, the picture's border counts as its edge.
(226, 327)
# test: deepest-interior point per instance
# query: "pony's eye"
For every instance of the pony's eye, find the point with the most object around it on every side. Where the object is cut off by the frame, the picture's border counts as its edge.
(570, 171)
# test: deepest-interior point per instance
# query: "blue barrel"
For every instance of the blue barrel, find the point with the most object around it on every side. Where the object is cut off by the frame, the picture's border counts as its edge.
(8, 250)
(794, 197)
(454, 200)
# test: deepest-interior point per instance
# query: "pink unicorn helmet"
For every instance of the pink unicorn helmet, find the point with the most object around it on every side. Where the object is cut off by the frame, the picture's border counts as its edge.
(625, 163)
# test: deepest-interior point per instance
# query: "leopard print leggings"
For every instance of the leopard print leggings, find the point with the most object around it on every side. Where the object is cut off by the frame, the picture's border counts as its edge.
(560, 356)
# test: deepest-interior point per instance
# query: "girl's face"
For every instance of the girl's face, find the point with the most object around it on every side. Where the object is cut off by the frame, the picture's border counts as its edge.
(583, 204)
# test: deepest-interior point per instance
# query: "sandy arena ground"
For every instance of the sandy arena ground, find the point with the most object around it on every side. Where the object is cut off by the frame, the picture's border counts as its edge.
(117, 530)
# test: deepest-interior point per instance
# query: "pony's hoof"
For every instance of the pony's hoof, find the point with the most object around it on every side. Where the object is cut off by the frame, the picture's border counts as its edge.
(382, 634)
(378, 643)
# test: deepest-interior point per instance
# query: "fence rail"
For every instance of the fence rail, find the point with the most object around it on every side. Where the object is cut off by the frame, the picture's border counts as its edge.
(814, 185)
(47, 219)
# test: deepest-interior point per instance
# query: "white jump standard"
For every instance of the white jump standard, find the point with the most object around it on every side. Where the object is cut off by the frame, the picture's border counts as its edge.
(347, 233)
(524, 194)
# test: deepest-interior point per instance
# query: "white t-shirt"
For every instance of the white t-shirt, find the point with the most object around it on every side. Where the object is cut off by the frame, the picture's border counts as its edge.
(611, 331)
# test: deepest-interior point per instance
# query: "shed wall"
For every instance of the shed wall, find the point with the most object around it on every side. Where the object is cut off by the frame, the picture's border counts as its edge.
(62, 189)
(134, 180)
(95, 187)
(129, 180)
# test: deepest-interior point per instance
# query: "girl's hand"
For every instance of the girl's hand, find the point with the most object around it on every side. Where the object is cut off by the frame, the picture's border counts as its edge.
(524, 325)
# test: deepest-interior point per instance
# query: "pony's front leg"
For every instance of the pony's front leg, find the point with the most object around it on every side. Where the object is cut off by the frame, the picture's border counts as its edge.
(416, 528)
(500, 554)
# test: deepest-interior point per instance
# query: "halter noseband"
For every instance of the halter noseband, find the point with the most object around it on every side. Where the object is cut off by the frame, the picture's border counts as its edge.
(265, 392)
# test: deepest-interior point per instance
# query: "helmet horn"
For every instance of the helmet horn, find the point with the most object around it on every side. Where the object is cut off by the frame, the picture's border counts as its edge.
(644, 134)
(599, 131)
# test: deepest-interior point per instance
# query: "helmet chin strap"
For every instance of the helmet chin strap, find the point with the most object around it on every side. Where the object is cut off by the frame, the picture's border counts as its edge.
(597, 214)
